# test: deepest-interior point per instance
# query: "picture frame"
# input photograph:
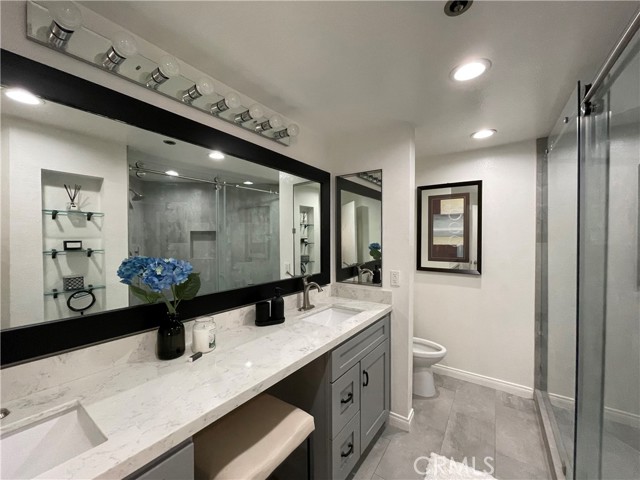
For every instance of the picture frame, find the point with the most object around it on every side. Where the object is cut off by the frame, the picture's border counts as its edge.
(449, 227)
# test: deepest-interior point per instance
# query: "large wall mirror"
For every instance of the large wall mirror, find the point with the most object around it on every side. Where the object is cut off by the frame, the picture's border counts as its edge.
(359, 228)
(86, 184)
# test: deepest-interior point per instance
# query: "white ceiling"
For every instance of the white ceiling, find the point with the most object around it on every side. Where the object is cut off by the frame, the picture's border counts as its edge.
(344, 66)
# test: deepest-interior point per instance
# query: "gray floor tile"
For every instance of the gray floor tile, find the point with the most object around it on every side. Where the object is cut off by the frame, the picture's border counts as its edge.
(507, 468)
(469, 438)
(446, 382)
(398, 460)
(516, 402)
(433, 412)
(625, 433)
(518, 436)
(475, 401)
(619, 460)
(368, 466)
(377, 477)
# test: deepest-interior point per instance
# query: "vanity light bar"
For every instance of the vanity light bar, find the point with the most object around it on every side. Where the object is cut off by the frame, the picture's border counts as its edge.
(53, 24)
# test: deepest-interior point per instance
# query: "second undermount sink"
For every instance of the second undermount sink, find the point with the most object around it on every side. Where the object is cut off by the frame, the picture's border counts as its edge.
(331, 315)
(48, 442)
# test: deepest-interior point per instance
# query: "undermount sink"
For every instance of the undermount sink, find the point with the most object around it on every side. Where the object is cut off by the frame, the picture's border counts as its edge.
(47, 442)
(330, 316)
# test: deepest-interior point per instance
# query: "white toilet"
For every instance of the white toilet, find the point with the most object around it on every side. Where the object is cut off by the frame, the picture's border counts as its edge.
(425, 354)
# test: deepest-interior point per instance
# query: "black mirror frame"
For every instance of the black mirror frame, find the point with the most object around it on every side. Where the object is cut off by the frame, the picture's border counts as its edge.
(27, 343)
(342, 272)
(474, 183)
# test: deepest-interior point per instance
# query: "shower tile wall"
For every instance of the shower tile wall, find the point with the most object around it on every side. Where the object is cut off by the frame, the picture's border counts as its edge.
(187, 221)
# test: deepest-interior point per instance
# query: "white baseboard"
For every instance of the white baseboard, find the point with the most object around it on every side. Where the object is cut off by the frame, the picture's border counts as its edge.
(612, 414)
(398, 421)
(497, 384)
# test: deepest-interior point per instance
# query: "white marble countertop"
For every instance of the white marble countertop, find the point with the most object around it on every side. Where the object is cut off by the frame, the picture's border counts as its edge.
(146, 408)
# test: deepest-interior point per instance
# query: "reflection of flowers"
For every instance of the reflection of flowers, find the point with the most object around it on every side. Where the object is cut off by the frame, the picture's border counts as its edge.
(375, 250)
(154, 275)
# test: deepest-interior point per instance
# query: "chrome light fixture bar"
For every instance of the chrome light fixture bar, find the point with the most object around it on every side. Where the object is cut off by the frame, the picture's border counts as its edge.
(53, 24)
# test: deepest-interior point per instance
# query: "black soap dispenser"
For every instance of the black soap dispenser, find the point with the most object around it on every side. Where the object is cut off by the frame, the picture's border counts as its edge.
(377, 275)
(277, 308)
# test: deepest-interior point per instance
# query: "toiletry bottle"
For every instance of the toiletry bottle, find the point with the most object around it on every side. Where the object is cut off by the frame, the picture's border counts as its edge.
(377, 274)
(262, 313)
(277, 308)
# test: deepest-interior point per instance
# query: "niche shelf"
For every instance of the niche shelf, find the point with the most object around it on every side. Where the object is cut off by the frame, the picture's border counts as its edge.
(55, 292)
(86, 251)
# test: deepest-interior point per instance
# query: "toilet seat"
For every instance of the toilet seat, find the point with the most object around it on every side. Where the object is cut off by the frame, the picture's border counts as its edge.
(427, 349)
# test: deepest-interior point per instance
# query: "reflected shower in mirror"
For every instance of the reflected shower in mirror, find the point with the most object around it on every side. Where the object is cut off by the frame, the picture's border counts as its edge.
(86, 192)
(359, 232)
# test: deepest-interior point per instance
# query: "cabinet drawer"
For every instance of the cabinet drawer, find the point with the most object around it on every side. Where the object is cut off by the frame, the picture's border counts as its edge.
(345, 399)
(345, 450)
(353, 350)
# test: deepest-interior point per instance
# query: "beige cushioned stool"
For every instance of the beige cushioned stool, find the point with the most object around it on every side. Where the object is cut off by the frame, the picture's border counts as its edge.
(251, 441)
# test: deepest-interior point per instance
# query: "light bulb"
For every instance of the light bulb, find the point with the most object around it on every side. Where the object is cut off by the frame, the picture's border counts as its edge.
(232, 99)
(291, 131)
(255, 111)
(274, 122)
(23, 96)
(67, 15)
(172, 173)
(204, 86)
(123, 46)
(486, 133)
(248, 182)
(216, 155)
(470, 70)
(169, 66)
(66, 20)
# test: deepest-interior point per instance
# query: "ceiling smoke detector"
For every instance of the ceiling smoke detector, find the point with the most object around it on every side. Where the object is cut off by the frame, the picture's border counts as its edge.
(453, 8)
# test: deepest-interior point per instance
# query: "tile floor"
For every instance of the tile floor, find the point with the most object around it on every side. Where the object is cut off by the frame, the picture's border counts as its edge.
(464, 420)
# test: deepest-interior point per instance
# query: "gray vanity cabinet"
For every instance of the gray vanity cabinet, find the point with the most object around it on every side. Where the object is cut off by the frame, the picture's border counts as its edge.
(347, 392)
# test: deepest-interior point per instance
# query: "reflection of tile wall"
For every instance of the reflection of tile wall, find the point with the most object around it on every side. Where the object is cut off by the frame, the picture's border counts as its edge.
(181, 221)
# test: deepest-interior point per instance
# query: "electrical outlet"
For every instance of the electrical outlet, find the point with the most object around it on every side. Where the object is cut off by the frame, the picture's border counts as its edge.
(395, 278)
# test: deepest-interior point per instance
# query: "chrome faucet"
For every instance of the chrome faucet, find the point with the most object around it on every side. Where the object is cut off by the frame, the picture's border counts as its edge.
(306, 286)
(362, 271)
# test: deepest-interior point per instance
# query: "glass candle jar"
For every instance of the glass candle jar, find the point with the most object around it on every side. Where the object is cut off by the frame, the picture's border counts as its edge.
(204, 335)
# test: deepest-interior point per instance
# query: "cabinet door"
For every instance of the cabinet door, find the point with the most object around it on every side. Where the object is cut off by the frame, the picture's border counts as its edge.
(374, 393)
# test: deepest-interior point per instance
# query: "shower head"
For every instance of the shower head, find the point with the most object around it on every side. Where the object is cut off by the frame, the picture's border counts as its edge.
(136, 196)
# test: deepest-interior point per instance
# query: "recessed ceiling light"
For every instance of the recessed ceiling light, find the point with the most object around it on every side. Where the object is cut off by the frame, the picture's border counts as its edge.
(470, 70)
(23, 96)
(169, 142)
(216, 155)
(172, 173)
(486, 133)
(248, 182)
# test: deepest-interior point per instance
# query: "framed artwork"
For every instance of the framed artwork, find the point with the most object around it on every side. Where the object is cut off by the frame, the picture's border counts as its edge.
(450, 227)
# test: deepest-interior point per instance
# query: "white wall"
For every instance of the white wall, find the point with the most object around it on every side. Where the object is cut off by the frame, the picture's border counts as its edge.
(22, 160)
(392, 151)
(487, 322)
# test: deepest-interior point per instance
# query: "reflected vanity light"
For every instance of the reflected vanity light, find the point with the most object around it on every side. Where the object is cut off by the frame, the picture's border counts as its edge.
(216, 155)
(172, 173)
(230, 100)
(166, 69)
(204, 86)
(481, 134)
(291, 131)
(66, 20)
(247, 182)
(23, 96)
(274, 122)
(254, 111)
(123, 46)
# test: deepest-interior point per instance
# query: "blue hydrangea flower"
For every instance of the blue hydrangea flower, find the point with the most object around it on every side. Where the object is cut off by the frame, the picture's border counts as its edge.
(375, 246)
(162, 273)
(132, 267)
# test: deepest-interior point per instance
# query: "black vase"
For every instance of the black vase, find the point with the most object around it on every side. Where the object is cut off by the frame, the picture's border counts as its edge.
(171, 343)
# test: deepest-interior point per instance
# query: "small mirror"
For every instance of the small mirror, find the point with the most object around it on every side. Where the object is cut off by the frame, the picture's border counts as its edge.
(449, 227)
(359, 232)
